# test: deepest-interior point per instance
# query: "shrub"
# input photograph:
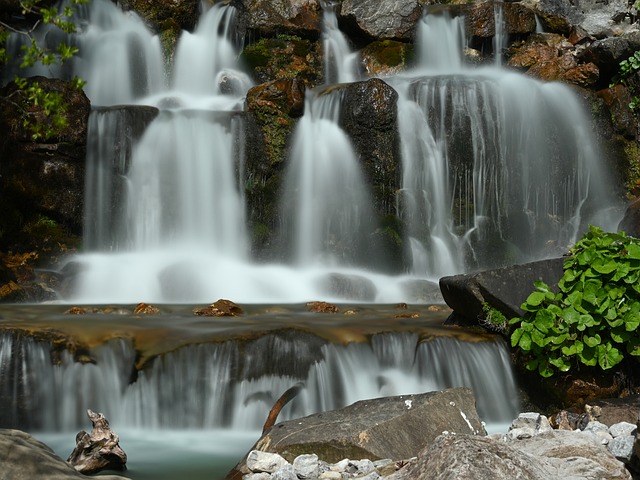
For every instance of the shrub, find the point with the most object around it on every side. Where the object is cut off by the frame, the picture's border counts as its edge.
(593, 319)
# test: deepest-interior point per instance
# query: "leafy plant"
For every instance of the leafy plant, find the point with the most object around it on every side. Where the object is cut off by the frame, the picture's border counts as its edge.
(593, 319)
(626, 70)
(50, 103)
(493, 319)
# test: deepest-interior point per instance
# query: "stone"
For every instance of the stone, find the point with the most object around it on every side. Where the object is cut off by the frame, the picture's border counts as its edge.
(504, 288)
(24, 458)
(285, 472)
(615, 410)
(381, 20)
(220, 308)
(630, 223)
(391, 427)
(480, 20)
(258, 461)
(555, 454)
(270, 18)
(98, 450)
(539, 423)
(623, 429)
(622, 447)
(321, 307)
(161, 15)
(306, 466)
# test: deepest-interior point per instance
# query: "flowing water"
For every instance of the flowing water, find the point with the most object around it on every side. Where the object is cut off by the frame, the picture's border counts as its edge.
(166, 223)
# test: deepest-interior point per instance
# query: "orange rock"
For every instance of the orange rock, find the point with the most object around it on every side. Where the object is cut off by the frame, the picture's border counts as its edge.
(321, 307)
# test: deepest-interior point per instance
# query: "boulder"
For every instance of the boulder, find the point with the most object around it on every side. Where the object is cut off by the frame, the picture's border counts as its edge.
(607, 53)
(270, 18)
(630, 223)
(161, 15)
(597, 18)
(519, 20)
(381, 20)
(554, 454)
(24, 458)
(504, 288)
(391, 427)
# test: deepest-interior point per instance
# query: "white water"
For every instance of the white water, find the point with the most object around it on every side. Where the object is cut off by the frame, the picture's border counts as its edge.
(224, 386)
(342, 65)
(498, 168)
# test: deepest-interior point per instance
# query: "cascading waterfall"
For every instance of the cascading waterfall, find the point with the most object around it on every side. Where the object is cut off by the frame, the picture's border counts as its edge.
(492, 175)
(214, 385)
(325, 197)
(341, 63)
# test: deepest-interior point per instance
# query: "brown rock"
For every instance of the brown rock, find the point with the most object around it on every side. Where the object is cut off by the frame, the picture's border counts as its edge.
(146, 309)
(269, 18)
(221, 308)
(583, 75)
(321, 307)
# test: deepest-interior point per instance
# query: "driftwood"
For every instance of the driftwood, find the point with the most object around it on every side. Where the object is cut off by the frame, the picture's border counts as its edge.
(98, 450)
(285, 398)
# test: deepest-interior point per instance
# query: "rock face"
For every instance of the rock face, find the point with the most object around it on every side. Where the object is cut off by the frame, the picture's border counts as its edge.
(162, 15)
(504, 288)
(46, 176)
(391, 427)
(24, 458)
(268, 17)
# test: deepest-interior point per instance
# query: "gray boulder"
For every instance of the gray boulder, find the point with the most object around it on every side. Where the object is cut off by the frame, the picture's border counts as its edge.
(382, 19)
(391, 427)
(24, 458)
(555, 454)
(504, 288)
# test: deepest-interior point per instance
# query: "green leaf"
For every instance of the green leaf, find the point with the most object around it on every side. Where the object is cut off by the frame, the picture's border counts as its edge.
(608, 356)
(592, 341)
(533, 300)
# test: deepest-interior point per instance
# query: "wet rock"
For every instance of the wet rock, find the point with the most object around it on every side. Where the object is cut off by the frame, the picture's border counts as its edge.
(386, 57)
(607, 53)
(381, 20)
(269, 18)
(321, 307)
(504, 288)
(220, 308)
(98, 450)
(615, 410)
(369, 116)
(519, 20)
(146, 309)
(162, 15)
(24, 458)
(284, 57)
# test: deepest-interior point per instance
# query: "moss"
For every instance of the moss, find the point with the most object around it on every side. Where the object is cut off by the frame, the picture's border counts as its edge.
(632, 156)
(169, 40)
(286, 56)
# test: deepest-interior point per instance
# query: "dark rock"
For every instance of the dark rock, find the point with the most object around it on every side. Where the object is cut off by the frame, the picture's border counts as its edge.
(615, 410)
(630, 223)
(609, 52)
(24, 458)
(518, 20)
(370, 118)
(504, 288)
(42, 182)
(558, 16)
(617, 99)
(381, 20)
(98, 450)
(269, 18)
(162, 15)
(391, 427)
(386, 57)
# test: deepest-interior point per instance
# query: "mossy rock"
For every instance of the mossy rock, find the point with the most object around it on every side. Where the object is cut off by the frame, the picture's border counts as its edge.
(387, 56)
(284, 57)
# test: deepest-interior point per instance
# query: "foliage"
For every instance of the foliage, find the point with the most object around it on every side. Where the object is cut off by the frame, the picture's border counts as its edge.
(50, 103)
(593, 320)
(626, 70)
(493, 319)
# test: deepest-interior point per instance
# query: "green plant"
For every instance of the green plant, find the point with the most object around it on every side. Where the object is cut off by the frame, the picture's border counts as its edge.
(627, 68)
(593, 319)
(50, 103)
(493, 319)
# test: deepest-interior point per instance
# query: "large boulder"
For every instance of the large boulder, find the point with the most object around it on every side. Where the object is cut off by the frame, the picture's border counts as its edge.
(555, 454)
(381, 20)
(24, 458)
(270, 18)
(162, 15)
(519, 20)
(597, 18)
(504, 288)
(391, 427)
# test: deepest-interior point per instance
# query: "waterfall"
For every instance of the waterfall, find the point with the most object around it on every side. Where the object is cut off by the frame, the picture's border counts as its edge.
(341, 64)
(325, 196)
(215, 386)
(498, 167)
(500, 40)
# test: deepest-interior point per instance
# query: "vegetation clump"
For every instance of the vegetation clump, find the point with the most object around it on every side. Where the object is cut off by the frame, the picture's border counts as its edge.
(593, 319)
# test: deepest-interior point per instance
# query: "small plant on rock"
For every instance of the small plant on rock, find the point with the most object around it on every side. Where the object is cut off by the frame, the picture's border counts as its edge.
(593, 319)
